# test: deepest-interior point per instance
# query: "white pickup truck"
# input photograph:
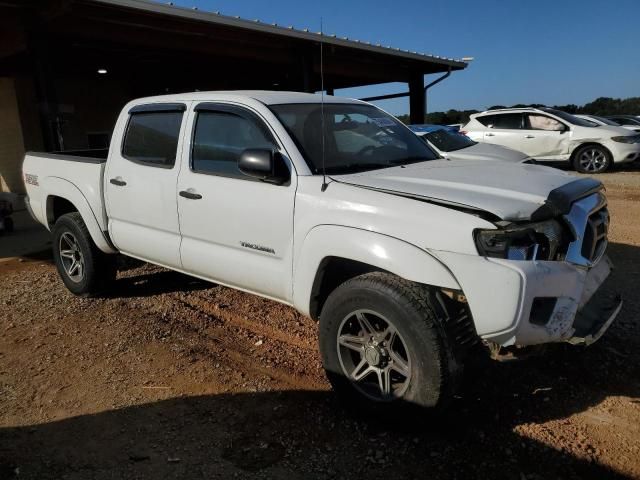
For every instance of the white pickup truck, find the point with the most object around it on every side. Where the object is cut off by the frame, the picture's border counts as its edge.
(336, 208)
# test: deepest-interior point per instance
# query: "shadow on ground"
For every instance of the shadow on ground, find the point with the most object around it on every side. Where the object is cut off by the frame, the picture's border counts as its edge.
(306, 434)
(155, 283)
(298, 434)
(29, 236)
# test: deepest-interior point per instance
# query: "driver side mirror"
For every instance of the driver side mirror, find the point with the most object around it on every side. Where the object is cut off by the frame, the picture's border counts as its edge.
(264, 164)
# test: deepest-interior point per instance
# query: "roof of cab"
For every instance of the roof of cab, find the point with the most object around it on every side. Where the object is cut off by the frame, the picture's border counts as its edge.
(264, 96)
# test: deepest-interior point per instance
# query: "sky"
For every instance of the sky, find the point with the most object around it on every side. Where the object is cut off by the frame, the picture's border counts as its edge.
(553, 52)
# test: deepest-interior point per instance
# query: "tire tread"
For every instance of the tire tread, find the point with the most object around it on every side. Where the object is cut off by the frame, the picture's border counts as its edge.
(411, 295)
(101, 271)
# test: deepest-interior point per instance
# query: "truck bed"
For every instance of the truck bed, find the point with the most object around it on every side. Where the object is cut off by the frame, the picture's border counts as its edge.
(86, 156)
(73, 175)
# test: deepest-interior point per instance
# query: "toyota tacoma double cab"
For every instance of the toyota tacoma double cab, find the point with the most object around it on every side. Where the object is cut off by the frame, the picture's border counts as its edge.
(406, 260)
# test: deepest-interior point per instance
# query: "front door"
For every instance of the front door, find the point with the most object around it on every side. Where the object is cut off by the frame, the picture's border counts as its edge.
(236, 230)
(544, 137)
(140, 184)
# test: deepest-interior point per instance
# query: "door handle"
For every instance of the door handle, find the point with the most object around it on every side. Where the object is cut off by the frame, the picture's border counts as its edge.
(529, 136)
(489, 135)
(190, 195)
(117, 181)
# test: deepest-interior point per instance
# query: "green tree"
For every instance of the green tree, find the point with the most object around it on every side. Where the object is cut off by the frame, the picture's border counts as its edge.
(600, 106)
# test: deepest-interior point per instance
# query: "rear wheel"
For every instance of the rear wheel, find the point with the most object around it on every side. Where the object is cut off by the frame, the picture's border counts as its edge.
(383, 346)
(84, 269)
(592, 159)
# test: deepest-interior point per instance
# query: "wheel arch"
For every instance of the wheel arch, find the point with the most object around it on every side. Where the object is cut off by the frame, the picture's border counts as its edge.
(332, 254)
(580, 146)
(56, 206)
(64, 197)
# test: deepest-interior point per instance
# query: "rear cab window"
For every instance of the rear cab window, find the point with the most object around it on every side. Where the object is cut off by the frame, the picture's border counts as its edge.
(152, 134)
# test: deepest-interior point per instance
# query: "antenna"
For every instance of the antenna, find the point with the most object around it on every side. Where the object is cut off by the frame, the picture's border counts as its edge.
(324, 172)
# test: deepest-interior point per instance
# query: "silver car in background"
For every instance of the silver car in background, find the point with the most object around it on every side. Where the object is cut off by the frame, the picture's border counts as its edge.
(452, 145)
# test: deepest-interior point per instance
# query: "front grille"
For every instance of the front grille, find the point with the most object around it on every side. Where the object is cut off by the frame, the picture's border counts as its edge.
(589, 221)
(594, 241)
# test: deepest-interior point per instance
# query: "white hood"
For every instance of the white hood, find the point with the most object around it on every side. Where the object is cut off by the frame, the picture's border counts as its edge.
(509, 191)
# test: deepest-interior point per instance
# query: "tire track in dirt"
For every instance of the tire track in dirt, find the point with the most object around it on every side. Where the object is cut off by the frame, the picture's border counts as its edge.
(231, 340)
(259, 328)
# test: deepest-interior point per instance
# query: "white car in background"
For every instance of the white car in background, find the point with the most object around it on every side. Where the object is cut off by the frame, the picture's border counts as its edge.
(631, 122)
(606, 121)
(554, 136)
(456, 146)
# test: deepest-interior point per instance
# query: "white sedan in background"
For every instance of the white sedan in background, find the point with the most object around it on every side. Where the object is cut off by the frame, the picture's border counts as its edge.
(631, 122)
(452, 145)
(605, 121)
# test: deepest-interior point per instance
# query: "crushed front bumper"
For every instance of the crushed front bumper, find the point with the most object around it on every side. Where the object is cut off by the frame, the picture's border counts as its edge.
(535, 302)
(581, 306)
(595, 317)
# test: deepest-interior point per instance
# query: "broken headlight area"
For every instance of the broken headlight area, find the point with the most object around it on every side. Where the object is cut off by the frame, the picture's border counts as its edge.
(546, 240)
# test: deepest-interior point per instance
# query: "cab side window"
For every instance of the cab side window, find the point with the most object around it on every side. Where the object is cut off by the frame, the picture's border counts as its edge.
(219, 139)
(151, 138)
(542, 122)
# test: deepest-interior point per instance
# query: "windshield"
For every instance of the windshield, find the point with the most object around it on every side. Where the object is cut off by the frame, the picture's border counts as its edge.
(447, 141)
(606, 121)
(567, 117)
(357, 137)
(629, 121)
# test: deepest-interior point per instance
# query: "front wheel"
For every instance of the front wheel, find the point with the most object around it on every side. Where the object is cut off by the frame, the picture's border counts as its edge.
(592, 159)
(383, 345)
(84, 269)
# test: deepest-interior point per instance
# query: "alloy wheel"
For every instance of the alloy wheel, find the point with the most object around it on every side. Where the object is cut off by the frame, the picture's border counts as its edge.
(374, 356)
(71, 257)
(592, 160)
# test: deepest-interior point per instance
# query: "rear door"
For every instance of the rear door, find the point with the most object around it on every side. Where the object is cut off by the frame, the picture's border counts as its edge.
(236, 230)
(503, 129)
(140, 184)
(544, 136)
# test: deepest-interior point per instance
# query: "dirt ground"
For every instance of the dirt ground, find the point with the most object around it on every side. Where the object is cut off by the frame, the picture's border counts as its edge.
(171, 377)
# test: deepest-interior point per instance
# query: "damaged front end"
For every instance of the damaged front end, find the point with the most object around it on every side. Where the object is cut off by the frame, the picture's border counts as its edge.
(571, 300)
(545, 279)
(595, 317)
(571, 306)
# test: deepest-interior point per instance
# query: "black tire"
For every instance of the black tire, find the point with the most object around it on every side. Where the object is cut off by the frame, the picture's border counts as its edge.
(592, 159)
(8, 224)
(98, 269)
(413, 311)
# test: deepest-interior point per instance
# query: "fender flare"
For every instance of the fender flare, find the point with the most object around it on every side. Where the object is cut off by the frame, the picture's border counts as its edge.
(378, 250)
(59, 187)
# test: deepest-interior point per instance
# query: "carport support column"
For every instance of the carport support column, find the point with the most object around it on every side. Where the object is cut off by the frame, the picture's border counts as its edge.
(417, 108)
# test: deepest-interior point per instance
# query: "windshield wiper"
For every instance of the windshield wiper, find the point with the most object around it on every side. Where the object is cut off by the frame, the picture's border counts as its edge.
(357, 167)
